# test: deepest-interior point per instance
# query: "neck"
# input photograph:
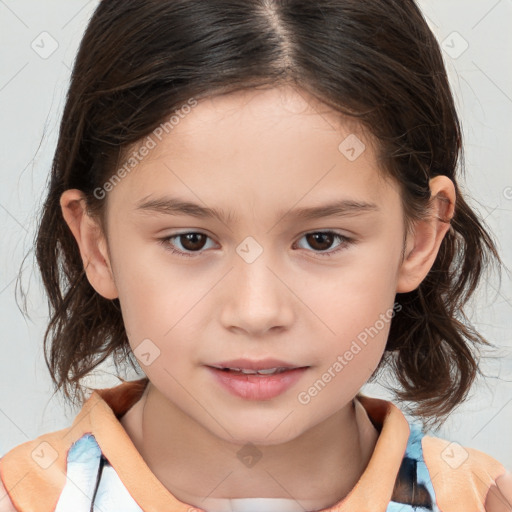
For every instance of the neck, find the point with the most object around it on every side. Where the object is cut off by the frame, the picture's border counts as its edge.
(193, 464)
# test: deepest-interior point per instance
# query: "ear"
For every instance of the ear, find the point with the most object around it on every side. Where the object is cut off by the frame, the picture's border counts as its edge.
(423, 244)
(91, 243)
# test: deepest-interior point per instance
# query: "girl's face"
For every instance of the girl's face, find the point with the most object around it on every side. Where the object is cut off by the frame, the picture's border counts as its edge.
(279, 262)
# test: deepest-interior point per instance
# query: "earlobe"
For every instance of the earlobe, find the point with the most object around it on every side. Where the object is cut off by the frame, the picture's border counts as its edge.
(91, 243)
(423, 243)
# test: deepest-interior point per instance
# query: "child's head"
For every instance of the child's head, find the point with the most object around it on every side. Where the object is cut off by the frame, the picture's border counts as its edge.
(258, 109)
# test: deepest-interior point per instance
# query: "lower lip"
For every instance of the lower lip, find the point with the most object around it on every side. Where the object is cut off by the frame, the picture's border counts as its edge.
(257, 387)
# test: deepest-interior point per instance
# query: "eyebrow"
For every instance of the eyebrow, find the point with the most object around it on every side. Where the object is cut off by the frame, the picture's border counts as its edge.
(176, 206)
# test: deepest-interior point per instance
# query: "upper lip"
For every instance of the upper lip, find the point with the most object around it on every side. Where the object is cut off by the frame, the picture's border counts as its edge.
(251, 364)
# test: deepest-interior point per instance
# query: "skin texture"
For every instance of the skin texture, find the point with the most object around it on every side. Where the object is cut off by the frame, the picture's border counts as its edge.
(256, 153)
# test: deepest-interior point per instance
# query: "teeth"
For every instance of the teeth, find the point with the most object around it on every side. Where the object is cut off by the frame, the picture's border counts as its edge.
(268, 371)
(247, 372)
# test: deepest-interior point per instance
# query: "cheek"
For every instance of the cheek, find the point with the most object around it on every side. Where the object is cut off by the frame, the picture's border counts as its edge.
(353, 297)
(350, 355)
(356, 307)
(152, 298)
(162, 310)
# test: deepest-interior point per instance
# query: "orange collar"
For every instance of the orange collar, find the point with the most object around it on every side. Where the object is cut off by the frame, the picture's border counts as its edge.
(34, 473)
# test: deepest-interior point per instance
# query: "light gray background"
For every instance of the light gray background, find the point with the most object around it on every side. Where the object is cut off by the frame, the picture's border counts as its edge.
(32, 90)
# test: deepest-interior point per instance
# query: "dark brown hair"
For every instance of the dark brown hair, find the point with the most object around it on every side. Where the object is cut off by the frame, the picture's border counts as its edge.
(376, 61)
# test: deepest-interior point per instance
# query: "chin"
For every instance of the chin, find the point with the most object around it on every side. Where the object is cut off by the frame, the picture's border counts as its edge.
(260, 433)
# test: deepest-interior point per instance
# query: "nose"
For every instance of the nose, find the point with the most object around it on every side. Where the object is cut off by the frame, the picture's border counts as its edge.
(257, 297)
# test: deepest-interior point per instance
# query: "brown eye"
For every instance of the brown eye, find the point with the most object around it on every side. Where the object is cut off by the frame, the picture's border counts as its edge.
(192, 241)
(187, 243)
(320, 241)
(191, 244)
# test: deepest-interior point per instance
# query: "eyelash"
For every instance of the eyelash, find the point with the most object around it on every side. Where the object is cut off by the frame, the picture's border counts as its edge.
(345, 242)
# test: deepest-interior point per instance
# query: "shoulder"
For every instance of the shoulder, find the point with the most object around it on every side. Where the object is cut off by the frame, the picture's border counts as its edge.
(465, 478)
(5, 502)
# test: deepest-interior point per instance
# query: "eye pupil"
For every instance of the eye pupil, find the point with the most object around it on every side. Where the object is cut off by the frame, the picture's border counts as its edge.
(189, 241)
(316, 236)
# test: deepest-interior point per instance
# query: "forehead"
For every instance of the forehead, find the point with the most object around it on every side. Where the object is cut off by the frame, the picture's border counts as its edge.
(259, 113)
(271, 146)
